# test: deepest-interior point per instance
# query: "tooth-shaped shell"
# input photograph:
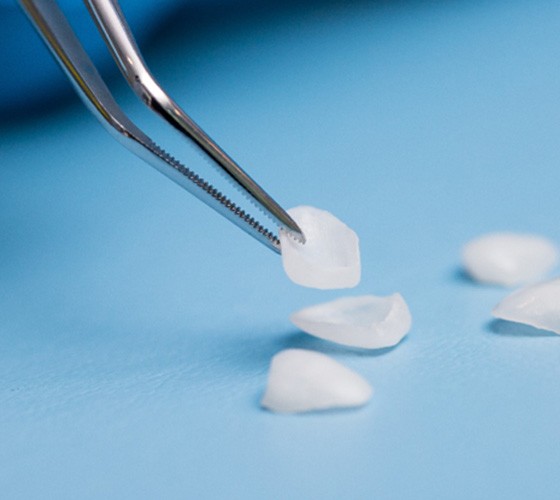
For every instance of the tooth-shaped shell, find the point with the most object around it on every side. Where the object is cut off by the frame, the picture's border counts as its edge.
(509, 259)
(367, 321)
(300, 380)
(330, 257)
(537, 306)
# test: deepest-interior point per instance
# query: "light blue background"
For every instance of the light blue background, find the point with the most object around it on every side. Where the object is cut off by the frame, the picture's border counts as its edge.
(136, 326)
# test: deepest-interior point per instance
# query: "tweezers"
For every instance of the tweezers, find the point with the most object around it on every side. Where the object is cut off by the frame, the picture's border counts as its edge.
(55, 30)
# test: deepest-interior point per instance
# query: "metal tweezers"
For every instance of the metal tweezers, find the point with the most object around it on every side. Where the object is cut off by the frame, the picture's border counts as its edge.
(55, 30)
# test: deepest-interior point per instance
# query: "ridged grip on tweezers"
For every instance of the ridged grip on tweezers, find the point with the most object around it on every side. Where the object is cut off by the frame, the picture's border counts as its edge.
(60, 38)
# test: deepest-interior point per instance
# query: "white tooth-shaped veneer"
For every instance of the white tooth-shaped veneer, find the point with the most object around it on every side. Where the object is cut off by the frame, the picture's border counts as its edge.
(509, 259)
(300, 381)
(537, 305)
(330, 257)
(367, 321)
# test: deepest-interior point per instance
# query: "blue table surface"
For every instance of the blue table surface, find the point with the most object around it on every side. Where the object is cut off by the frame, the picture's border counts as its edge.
(137, 326)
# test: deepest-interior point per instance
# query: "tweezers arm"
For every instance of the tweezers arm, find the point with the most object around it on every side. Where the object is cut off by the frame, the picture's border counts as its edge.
(59, 37)
(67, 49)
(61, 40)
(118, 37)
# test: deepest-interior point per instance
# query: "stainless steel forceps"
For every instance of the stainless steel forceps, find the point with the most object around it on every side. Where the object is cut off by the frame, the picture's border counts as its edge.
(52, 25)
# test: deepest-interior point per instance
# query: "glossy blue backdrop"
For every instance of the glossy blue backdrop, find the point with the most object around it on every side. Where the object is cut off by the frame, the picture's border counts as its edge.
(136, 326)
